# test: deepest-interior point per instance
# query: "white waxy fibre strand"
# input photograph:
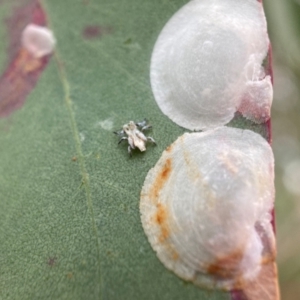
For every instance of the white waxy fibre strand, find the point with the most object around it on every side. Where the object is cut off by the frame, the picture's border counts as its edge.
(206, 204)
(38, 40)
(206, 59)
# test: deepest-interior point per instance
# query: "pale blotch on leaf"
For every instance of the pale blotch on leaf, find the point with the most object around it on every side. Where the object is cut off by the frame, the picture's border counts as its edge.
(81, 136)
(38, 40)
(205, 207)
(207, 63)
(106, 124)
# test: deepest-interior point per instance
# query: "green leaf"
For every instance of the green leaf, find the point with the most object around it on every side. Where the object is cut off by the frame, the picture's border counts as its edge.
(69, 207)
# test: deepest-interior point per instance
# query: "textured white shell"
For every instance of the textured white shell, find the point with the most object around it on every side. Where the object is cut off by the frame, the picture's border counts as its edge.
(205, 60)
(205, 207)
(38, 40)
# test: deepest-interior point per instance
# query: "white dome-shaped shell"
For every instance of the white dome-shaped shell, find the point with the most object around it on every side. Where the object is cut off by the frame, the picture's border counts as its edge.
(205, 207)
(203, 59)
(38, 40)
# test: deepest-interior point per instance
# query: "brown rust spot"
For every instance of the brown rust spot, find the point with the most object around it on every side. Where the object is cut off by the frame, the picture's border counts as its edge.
(160, 180)
(74, 158)
(23, 70)
(161, 214)
(166, 170)
(226, 266)
(52, 261)
(161, 220)
(164, 234)
(175, 255)
(267, 259)
(161, 217)
(96, 31)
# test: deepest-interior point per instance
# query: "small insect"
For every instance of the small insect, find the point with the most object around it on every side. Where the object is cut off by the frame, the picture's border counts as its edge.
(133, 133)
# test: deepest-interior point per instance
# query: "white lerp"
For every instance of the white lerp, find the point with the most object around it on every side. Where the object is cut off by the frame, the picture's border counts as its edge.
(205, 207)
(38, 40)
(207, 62)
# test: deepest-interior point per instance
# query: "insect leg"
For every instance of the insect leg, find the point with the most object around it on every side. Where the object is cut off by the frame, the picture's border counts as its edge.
(122, 139)
(149, 138)
(129, 151)
(146, 127)
(142, 123)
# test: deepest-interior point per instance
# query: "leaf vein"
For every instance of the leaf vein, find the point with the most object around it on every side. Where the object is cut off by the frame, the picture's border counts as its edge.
(83, 170)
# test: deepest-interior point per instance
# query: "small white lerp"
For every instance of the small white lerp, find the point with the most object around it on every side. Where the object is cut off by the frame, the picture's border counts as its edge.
(38, 40)
(205, 207)
(207, 63)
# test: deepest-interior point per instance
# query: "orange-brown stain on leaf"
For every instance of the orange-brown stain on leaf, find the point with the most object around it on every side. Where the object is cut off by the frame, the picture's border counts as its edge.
(23, 71)
(161, 220)
(226, 266)
(161, 216)
(160, 180)
(267, 259)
